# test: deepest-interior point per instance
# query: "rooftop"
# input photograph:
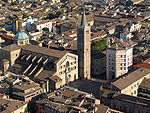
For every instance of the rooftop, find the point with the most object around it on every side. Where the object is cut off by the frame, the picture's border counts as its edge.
(145, 83)
(44, 50)
(68, 97)
(10, 48)
(21, 36)
(9, 105)
(130, 78)
(42, 22)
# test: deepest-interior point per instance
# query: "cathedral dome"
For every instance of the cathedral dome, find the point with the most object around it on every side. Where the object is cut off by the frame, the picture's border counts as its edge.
(21, 36)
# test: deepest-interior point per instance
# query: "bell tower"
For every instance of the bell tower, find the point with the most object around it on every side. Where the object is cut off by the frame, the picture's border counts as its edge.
(84, 48)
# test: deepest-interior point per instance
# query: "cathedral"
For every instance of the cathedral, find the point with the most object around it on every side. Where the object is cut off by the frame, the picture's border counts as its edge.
(49, 67)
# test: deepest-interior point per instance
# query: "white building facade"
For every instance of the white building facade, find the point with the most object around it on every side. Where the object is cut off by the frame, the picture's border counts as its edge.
(43, 24)
(118, 61)
(25, 24)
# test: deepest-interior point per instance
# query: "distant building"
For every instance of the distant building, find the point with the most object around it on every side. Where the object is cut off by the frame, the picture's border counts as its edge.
(12, 106)
(25, 24)
(68, 100)
(26, 90)
(125, 35)
(144, 88)
(42, 24)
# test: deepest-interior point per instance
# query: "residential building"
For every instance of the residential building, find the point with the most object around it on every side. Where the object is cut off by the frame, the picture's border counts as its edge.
(68, 99)
(12, 106)
(26, 90)
(36, 34)
(105, 109)
(25, 24)
(124, 93)
(129, 83)
(144, 88)
(125, 103)
(42, 24)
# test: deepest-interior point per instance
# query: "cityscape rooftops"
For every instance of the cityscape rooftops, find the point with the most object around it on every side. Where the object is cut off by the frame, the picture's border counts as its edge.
(71, 98)
(10, 105)
(145, 84)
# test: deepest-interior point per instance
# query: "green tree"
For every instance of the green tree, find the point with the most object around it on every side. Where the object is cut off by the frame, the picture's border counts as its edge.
(41, 38)
(45, 29)
(15, 19)
(14, 3)
(25, 15)
(99, 45)
(56, 15)
(33, 5)
(50, 16)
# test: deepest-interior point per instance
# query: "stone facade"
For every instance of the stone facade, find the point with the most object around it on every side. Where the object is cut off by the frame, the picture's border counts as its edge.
(119, 61)
(47, 68)
(67, 68)
(98, 63)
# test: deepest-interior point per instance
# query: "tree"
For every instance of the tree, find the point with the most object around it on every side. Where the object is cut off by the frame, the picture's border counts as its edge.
(41, 38)
(15, 19)
(50, 16)
(56, 15)
(99, 45)
(45, 29)
(14, 3)
(25, 15)
(33, 5)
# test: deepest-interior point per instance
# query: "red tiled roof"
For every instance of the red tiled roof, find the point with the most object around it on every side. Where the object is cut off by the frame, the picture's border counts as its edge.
(7, 36)
(144, 65)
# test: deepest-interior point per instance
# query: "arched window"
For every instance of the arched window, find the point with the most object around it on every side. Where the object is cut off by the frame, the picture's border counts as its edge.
(138, 111)
(67, 63)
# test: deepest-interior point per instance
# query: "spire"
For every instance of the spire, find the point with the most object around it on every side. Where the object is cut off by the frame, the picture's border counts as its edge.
(83, 20)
